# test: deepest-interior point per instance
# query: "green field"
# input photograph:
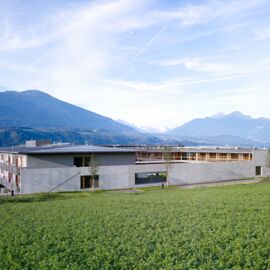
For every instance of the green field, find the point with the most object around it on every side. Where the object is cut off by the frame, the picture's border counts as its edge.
(226, 227)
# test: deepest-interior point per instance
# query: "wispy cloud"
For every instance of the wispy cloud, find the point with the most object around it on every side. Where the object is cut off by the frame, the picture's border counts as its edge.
(81, 51)
(141, 51)
(209, 11)
(198, 65)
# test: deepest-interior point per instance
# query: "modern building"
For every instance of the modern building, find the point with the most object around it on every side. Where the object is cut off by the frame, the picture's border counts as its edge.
(35, 169)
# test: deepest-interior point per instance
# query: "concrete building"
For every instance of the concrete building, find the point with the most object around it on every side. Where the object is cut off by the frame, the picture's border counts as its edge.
(68, 168)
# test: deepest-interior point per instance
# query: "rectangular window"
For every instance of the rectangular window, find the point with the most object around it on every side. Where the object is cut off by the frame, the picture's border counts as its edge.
(157, 156)
(212, 155)
(184, 156)
(78, 161)
(222, 156)
(202, 156)
(178, 156)
(189, 156)
(234, 156)
(86, 161)
(258, 170)
(87, 182)
(150, 178)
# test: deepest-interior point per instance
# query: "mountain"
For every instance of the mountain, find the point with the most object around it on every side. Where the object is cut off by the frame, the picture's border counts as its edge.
(230, 140)
(143, 129)
(128, 124)
(18, 135)
(37, 109)
(234, 124)
(34, 114)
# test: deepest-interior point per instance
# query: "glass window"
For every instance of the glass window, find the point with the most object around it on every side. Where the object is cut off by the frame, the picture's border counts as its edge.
(87, 182)
(234, 156)
(86, 161)
(150, 178)
(78, 161)
(258, 170)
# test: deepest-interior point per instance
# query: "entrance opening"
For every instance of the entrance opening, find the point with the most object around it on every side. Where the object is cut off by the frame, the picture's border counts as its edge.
(258, 170)
(87, 182)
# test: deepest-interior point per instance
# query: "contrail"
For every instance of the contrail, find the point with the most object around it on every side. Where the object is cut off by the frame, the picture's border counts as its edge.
(147, 45)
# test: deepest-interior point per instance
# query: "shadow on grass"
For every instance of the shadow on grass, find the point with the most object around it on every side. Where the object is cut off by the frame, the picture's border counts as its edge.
(46, 197)
(156, 188)
(265, 180)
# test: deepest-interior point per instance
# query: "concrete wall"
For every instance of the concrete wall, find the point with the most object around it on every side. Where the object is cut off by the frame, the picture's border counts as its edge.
(116, 159)
(56, 161)
(190, 173)
(203, 172)
(43, 180)
(114, 176)
(261, 158)
(49, 161)
(121, 177)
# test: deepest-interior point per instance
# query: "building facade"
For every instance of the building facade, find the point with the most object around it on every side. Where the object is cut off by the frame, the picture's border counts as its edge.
(70, 168)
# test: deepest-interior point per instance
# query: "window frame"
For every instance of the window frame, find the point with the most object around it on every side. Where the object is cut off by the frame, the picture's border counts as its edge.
(258, 170)
(158, 180)
(83, 183)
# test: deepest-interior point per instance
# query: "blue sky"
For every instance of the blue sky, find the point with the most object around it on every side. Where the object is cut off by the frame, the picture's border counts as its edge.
(151, 63)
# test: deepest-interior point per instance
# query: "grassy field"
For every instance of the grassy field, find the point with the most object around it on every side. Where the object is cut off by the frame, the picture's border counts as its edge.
(225, 227)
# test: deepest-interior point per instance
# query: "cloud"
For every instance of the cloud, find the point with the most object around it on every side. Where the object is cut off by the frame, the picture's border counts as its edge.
(197, 65)
(208, 11)
(112, 18)
(81, 53)
(141, 51)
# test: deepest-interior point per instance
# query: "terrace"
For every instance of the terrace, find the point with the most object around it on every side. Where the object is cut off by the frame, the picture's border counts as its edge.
(159, 156)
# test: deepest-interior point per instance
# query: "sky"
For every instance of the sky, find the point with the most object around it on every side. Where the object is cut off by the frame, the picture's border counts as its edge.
(151, 63)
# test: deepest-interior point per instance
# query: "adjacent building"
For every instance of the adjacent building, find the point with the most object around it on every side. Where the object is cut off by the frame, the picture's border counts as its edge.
(39, 168)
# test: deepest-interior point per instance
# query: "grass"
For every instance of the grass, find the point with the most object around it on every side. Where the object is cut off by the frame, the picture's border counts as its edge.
(225, 227)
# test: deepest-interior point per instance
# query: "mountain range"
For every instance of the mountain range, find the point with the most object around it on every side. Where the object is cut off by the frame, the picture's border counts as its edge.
(33, 114)
(37, 109)
(234, 124)
(142, 129)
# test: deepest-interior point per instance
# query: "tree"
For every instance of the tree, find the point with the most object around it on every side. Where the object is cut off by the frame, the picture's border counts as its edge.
(93, 170)
(167, 158)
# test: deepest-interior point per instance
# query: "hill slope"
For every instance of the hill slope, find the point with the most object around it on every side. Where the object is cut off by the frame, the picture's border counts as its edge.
(16, 136)
(37, 109)
(235, 124)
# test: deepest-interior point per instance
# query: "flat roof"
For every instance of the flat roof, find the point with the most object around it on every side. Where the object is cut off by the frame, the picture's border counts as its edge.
(78, 149)
(87, 149)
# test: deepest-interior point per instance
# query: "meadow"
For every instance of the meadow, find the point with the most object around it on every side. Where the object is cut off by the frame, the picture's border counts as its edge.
(225, 227)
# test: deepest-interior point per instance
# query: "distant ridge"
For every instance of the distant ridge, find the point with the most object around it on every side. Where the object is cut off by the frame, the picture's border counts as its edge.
(234, 124)
(33, 114)
(36, 109)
